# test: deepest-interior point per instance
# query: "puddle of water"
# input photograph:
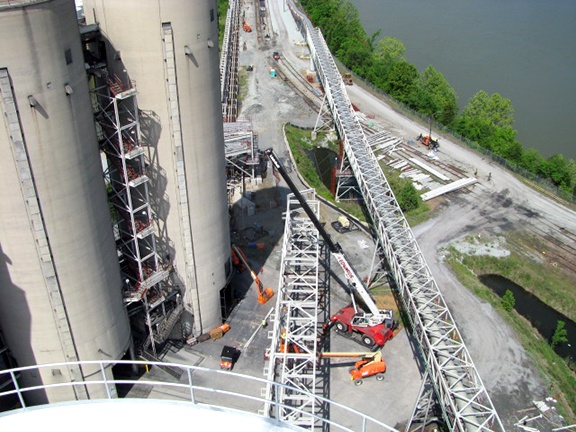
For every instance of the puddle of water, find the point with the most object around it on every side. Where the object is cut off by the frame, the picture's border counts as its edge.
(542, 317)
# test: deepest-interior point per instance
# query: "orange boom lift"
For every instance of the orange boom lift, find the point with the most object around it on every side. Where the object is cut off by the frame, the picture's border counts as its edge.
(370, 364)
(264, 294)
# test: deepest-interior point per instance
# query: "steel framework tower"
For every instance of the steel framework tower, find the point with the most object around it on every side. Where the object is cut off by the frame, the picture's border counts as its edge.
(170, 48)
(298, 317)
(143, 273)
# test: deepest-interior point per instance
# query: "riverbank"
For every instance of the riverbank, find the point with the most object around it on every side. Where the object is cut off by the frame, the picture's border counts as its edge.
(490, 255)
(498, 56)
(485, 123)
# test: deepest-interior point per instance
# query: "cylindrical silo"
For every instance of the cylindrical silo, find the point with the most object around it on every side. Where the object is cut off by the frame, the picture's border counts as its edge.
(60, 285)
(169, 48)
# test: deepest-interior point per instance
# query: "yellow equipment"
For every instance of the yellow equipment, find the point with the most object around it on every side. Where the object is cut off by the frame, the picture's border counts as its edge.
(347, 77)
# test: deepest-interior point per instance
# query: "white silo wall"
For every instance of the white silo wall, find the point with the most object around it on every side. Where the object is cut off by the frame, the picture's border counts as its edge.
(76, 313)
(170, 49)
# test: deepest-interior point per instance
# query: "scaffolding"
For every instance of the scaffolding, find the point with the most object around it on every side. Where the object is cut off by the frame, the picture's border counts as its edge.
(146, 287)
(299, 314)
(243, 159)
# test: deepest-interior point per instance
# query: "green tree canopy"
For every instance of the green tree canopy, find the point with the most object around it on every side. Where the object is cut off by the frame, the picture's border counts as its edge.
(495, 109)
(356, 54)
(558, 170)
(342, 25)
(390, 50)
(508, 301)
(443, 96)
(408, 197)
(503, 142)
(560, 334)
(532, 160)
(402, 81)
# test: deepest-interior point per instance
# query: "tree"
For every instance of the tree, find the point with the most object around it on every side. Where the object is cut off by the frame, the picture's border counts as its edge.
(402, 82)
(390, 50)
(503, 142)
(474, 128)
(442, 95)
(407, 197)
(560, 334)
(559, 171)
(508, 301)
(344, 24)
(356, 55)
(495, 109)
(532, 160)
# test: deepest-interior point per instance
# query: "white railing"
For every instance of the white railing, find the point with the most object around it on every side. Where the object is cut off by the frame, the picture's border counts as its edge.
(200, 386)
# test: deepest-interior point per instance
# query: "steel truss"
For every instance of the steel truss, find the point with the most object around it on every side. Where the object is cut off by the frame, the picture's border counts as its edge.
(346, 186)
(297, 320)
(242, 156)
(458, 388)
(229, 63)
(118, 126)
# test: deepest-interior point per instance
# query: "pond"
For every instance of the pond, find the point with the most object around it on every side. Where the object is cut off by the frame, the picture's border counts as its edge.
(540, 315)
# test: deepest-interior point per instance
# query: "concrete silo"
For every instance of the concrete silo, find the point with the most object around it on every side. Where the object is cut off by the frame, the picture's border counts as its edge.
(169, 48)
(60, 285)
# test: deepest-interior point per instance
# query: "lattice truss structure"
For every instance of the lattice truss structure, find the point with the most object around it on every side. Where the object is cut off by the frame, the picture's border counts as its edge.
(345, 185)
(241, 148)
(229, 63)
(297, 321)
(464, 402)
(118, 127)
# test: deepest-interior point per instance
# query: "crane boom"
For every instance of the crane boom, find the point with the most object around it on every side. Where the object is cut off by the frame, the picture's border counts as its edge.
(375, 316)
(377, 355)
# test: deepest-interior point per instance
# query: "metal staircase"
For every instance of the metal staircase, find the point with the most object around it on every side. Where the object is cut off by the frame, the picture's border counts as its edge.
(145, 277)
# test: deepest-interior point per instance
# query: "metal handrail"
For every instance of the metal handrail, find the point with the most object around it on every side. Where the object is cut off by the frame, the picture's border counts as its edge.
(356, 421)
(19, 3)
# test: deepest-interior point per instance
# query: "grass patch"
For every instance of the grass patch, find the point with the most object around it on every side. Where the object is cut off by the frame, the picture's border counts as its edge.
(419, 215)
(242, 84)
(222, 11)
(555, 370)
(300, 142)
(550, 284)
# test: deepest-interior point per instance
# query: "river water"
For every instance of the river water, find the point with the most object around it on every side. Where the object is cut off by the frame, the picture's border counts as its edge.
(525, 50)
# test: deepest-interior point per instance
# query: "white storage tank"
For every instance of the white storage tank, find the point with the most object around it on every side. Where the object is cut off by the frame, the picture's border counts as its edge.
(169, 48)
(60, 285)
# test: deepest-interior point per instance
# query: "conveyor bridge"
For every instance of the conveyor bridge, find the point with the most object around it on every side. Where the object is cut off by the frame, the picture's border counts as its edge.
(450, 373)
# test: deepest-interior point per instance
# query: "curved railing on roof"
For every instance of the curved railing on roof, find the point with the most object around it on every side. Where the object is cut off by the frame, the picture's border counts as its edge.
(201, 386)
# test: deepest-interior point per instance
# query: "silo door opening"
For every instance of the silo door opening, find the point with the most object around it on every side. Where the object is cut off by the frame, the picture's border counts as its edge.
(227, 301)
